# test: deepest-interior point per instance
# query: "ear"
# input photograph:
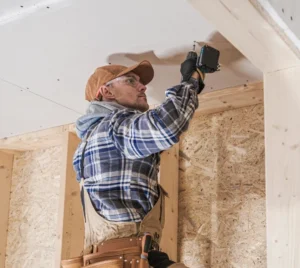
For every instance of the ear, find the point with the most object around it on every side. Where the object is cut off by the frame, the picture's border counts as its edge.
(106, 93)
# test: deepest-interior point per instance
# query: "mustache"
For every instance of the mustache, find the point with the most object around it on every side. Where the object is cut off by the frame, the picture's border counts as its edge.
(142, 95)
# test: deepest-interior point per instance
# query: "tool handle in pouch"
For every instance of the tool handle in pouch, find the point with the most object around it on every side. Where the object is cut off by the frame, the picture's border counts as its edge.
(146, 245)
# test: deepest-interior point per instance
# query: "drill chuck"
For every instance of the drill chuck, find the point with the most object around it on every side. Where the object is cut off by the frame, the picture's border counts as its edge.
(192, 55)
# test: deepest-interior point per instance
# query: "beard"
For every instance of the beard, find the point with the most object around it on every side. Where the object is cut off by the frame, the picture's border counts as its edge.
(140, 106)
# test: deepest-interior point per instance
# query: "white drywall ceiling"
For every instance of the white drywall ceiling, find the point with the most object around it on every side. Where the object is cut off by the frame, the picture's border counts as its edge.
(289, 11)
(48, 49)
(286, 15)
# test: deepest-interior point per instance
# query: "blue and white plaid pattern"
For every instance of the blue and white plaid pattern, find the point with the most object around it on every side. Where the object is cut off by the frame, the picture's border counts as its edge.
(121, 160)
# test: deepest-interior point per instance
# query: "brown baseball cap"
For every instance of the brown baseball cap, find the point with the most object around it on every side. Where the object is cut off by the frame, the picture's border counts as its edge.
(104, 74)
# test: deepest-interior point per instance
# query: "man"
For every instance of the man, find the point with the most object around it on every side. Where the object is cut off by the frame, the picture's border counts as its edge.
(117, 162)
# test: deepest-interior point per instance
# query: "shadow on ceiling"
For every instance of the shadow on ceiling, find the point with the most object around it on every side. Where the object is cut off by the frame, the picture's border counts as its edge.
(167, 66)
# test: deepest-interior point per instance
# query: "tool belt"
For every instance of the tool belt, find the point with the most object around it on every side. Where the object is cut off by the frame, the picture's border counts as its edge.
(115, 253)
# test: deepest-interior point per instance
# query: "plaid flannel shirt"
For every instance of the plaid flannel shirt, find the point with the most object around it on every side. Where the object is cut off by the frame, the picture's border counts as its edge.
(122, 156)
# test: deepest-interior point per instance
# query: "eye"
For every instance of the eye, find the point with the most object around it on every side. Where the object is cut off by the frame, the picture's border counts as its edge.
(130, 80)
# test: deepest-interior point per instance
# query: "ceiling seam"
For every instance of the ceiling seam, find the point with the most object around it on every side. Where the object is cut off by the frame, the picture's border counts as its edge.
(40, 96)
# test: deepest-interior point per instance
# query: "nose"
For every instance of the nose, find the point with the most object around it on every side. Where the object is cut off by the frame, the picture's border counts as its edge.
(141, 87)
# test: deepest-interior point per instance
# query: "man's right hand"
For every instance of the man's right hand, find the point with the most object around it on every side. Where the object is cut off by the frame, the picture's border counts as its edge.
(188, 69)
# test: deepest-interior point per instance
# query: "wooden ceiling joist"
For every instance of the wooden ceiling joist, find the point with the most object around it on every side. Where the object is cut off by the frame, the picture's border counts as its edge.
(230, 98)
(35, 140)
(240, 22)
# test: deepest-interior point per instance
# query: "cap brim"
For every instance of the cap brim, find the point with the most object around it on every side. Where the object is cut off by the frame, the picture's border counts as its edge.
(143, 69)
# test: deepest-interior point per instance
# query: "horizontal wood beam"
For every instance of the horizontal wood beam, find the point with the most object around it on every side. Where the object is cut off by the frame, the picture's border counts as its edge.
(35, 140)
(230, 98)
(211, 102)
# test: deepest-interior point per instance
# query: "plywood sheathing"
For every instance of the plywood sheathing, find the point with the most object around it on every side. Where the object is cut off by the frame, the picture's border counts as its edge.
(222, 217)
(34, 208)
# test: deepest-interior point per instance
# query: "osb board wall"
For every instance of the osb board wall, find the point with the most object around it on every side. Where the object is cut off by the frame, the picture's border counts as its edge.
(33, 209)
(222, 221)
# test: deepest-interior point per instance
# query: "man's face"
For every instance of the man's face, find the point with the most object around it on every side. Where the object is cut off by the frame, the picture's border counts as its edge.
(130, 92)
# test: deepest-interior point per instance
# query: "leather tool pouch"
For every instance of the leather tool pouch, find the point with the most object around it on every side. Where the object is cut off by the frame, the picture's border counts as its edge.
(122, 258)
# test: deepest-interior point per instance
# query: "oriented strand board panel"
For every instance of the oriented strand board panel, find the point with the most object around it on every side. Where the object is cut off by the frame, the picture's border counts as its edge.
(6, 165)
(34, 209)
(222, 219)
(282, 109)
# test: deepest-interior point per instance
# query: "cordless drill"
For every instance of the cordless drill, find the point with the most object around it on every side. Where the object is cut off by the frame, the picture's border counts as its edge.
(206, 62)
